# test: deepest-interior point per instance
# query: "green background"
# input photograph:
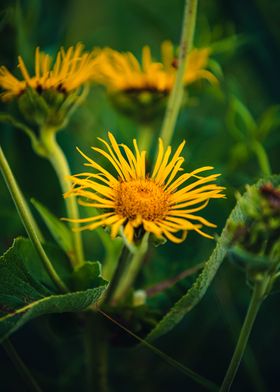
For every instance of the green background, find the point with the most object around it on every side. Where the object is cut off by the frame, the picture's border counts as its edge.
(250, 63)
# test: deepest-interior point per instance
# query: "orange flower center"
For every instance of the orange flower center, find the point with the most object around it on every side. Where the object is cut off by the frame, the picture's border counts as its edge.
(142, 198)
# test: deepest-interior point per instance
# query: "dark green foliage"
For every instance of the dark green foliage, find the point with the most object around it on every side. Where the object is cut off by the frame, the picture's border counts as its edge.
(245, 40)
(26, 291)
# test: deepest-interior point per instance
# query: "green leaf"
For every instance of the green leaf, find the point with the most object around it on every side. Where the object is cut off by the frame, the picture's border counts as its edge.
(87, 275)
(26, 290)
(60, 232)
(249, 260)
(240, 121)
(204, 279)
(270, 119)
(9, 119)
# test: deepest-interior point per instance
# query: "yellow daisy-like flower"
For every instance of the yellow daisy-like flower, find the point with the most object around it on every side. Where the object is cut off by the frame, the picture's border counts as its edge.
(71, 69)
(122, 72)
(159, 202)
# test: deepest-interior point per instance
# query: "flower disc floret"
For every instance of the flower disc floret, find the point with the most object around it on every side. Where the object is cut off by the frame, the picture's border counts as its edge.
(141, 198)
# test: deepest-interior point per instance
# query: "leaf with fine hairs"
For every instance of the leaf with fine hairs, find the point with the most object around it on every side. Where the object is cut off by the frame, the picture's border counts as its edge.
(27, 292)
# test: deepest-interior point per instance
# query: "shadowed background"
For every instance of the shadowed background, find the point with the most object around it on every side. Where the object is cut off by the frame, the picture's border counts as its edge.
(248, 38)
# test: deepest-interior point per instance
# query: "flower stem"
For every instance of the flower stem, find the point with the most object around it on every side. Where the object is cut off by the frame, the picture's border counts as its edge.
(57, 158)
(254, 306)
(120, 269)
(131, 272)
(25, 216)
(126, 271)
(176, 96)
(20, 366)
(262, 158)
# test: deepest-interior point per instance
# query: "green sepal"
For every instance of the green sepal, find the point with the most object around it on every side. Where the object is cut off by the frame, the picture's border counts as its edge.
(142, 105)
(33, 107)
(27, 291)
(47, 107)
(157, 241)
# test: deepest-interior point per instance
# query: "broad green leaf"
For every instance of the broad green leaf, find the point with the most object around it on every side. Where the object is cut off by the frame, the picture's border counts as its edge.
(26, 290)
(59, 231)
(204, 279)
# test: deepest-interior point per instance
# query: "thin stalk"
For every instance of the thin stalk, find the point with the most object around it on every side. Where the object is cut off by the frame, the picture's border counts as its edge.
(224, 296)
(20, 366)
(262, 158)
(24, 214)
(207, 384)
(254, 306)
(132, 270)
(176, 96)
(123, 261)
(57, 158)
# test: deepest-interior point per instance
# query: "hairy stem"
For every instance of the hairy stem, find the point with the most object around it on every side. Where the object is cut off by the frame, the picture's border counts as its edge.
(176, 96)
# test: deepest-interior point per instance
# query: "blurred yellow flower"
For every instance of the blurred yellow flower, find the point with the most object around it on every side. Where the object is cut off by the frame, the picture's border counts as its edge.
(122, 71)
(137, 200)
(71, 69)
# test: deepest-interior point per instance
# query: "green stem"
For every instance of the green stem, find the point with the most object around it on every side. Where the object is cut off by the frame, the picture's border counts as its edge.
(24, 213)
(20, 366)
(254, 306)
(176, 96)
(131, 272)
(262, 158)
(57, 158)
(119, 271)
(145, 137)
(251, 365)
(112, 248)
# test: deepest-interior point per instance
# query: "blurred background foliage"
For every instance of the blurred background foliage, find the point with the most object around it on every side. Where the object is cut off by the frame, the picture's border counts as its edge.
(245, 38)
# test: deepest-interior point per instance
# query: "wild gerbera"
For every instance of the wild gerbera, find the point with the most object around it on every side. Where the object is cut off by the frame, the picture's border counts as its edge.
(70, 70)
(132, 198)
(120, 71)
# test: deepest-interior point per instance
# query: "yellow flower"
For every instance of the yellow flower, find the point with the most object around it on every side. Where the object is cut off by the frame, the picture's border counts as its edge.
(71, 69)
(122, 71)
(159, 202)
